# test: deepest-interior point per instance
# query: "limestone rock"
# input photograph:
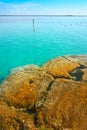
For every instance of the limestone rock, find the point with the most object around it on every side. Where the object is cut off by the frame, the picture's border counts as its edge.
(73, 67)
(25, 88)
(85, 74)
(65, 106)
(60, 67)
(81, 59)
(11, 119)
(51, 97)
(24, 68)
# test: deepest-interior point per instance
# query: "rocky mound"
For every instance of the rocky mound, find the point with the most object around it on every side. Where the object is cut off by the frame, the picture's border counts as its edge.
(51, 97)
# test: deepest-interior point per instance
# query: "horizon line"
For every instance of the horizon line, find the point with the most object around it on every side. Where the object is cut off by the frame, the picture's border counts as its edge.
(54, 15)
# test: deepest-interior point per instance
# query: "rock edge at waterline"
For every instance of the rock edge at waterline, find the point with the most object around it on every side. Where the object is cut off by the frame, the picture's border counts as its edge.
(50, 97)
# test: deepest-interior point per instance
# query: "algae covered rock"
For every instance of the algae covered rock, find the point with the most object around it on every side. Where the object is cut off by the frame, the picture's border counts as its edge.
(81, 59)
(69, 67)
(60, 67)
(25, 88)
(12, 119)
(65, 106)
(50, 97)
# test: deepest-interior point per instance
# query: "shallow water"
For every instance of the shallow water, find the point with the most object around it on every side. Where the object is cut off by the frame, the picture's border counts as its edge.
(53, 36)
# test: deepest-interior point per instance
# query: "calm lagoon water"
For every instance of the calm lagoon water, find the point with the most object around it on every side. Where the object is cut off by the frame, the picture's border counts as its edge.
(53, 36)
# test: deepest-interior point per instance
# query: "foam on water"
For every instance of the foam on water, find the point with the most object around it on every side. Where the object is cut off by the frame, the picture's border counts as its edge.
(53, 36)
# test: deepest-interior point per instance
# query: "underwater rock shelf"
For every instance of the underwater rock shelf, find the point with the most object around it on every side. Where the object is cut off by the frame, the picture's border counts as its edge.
(50, 97)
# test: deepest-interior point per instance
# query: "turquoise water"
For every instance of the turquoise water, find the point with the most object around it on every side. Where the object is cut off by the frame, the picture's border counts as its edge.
(53, 36)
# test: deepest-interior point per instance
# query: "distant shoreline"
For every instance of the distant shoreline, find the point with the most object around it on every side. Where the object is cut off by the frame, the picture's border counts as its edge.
(44, 15)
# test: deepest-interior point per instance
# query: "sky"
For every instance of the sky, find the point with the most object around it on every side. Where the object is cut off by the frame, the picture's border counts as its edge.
(43, 7)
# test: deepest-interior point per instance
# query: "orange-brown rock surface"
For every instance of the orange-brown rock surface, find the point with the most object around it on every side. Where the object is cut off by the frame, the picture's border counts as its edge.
(65, 106)
(13, 119)
(23, 89)
(60, 67)
(51, 97)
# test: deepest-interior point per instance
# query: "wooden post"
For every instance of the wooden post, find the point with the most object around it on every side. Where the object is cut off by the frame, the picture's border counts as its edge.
(33, 26)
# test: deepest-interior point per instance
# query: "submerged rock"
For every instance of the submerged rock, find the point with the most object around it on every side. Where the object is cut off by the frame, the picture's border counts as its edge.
(51, 97)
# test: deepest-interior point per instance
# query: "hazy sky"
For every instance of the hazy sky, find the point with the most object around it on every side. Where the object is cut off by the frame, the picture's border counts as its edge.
(43, 7)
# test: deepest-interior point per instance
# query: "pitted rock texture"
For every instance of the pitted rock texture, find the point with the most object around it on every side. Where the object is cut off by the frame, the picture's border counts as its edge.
(12, 119)
(81, 59)
(65, 106)
(50, 97)
(60, 67)
(23, 89)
